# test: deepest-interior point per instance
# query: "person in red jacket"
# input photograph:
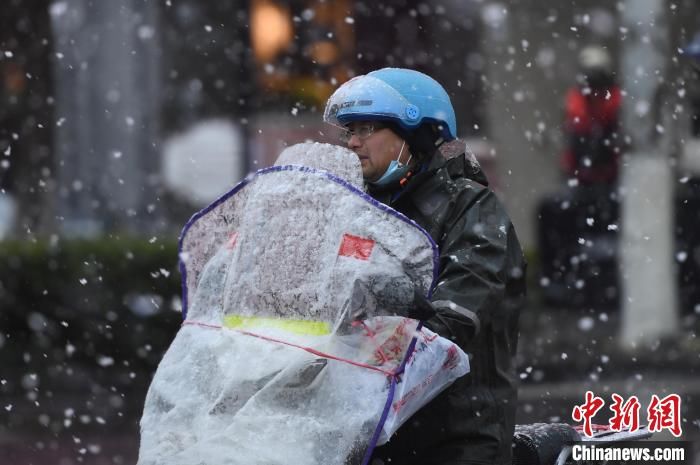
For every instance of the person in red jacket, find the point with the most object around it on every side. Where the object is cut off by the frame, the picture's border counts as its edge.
(592, 155)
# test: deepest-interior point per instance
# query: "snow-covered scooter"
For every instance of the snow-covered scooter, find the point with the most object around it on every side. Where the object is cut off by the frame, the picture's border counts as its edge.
(295, 346)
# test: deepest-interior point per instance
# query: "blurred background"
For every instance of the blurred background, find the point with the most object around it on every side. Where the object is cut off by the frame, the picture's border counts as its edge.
(121, 119)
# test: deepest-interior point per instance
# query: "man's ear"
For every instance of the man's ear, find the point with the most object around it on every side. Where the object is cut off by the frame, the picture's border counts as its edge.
(422, 141)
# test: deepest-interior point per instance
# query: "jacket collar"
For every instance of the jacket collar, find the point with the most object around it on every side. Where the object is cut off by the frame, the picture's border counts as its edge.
(453, 168)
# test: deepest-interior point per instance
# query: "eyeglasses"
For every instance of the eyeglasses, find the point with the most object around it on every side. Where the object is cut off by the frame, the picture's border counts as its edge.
(362, 131)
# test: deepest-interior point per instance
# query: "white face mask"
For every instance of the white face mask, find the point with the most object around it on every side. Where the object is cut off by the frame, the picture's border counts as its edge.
(395, 171)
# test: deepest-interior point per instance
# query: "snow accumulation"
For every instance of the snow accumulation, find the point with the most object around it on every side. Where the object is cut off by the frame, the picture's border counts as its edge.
(296, 286)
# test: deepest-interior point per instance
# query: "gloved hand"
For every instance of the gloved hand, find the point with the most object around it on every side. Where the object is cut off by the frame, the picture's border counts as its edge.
(422, 308)
(360, 301)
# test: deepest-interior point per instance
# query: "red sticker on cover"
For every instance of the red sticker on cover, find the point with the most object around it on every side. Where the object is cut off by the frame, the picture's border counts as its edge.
(356, 247)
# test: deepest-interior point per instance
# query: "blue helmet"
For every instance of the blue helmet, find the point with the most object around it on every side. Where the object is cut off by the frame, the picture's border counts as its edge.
(405, 97)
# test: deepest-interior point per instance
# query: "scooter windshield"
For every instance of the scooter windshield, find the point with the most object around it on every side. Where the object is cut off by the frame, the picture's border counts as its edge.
(295, 289)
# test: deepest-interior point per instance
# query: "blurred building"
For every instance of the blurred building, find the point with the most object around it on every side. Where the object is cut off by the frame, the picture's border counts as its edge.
(26, 111)
(109, 87)
(319, 45)
(99, 92)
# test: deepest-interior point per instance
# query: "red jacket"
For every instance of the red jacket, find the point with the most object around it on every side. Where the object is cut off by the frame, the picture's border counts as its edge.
(593, 152)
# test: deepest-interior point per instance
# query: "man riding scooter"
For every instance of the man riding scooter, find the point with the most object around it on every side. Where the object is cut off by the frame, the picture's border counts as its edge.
(395, 120)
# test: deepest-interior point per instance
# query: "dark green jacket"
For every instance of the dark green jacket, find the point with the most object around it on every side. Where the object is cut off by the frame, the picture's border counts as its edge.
(482, 272)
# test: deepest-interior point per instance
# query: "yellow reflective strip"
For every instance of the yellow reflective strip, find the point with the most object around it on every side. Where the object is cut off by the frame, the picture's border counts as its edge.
(305, 327)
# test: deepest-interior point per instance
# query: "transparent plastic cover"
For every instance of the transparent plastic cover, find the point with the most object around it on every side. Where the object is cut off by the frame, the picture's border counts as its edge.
(296, 286)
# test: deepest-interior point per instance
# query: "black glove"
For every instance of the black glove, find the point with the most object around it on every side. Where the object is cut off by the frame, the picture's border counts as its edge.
(422, 309)
(360, 300)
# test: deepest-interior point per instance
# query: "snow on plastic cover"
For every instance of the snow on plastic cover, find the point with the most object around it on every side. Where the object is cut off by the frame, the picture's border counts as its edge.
(295, 284)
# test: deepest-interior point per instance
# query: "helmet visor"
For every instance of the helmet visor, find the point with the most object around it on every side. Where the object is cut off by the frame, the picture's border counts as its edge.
(366, 98)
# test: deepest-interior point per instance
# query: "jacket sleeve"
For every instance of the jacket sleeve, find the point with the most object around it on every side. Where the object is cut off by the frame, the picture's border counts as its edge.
(481, 268)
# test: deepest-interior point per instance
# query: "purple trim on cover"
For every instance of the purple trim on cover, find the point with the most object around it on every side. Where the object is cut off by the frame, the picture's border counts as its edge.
(411, 348)
(303, 169)
(188, 225)
(390, 399)
(380, 425)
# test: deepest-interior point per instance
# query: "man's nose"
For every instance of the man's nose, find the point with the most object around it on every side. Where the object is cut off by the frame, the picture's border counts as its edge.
(354, 142)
